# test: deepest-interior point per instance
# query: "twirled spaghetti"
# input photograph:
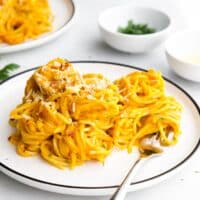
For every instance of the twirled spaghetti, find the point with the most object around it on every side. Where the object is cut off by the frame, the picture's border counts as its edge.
(69, 118)
(24, 19)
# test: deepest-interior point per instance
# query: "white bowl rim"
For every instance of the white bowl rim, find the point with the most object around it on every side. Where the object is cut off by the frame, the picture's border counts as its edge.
(134, 35)
(167, 49)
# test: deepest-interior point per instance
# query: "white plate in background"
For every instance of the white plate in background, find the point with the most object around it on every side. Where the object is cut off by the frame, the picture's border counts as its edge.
(64, 13)
(93, 178)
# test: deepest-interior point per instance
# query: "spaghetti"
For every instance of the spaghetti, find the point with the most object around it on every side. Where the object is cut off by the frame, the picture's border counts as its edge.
(24, 19)
(69, 118)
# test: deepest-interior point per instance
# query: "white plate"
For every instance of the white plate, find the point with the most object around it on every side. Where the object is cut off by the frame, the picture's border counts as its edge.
(94, 178)
(63, 11)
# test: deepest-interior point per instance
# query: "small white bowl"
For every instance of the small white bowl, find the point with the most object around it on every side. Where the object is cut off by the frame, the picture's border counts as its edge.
(179, 47)
(111, 19)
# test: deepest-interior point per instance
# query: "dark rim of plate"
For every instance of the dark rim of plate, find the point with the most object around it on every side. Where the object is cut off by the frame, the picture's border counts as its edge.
(112, 186)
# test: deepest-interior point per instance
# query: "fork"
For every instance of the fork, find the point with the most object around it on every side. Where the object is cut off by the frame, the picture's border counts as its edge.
(149, 148)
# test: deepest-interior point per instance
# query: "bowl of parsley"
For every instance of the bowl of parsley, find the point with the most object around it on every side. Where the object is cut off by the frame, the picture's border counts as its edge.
(133, 29)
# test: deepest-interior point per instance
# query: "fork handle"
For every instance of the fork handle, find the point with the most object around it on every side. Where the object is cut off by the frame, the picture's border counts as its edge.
(122, 189)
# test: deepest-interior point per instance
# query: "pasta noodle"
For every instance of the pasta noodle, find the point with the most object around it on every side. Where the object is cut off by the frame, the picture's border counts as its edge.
(24, 19)
(69, 118)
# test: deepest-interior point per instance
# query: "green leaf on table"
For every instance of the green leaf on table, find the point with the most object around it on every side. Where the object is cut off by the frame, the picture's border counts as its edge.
(5, 72)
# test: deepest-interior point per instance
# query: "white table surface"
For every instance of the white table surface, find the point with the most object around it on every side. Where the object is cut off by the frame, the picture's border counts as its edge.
(83, 42)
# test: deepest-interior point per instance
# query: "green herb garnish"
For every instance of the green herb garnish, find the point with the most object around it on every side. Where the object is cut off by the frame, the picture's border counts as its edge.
(5, 72)
(136, 29)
